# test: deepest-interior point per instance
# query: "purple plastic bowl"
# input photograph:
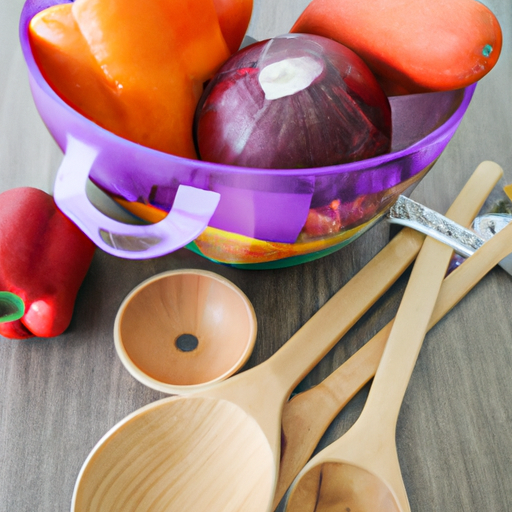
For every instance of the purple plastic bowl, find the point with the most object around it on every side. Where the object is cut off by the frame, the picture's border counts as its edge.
(263, 204)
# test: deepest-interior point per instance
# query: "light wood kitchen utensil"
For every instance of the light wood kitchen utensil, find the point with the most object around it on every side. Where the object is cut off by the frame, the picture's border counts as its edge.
(360, 471)
(183, 330)
(218, 450)
(307, 415)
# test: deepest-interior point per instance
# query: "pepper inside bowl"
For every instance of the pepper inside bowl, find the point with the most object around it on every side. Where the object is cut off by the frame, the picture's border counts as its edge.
(236, 215)
(182, 330)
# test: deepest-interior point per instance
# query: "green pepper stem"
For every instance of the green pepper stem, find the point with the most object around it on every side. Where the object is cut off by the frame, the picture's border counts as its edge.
(12, 307)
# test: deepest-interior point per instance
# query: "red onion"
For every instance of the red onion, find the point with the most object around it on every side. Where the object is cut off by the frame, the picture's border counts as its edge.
(294, 101)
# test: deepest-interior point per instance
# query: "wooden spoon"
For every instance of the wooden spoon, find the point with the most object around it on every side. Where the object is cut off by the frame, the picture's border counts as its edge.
(218, 450)
(360, 471)
(307, 415)
(365, 362)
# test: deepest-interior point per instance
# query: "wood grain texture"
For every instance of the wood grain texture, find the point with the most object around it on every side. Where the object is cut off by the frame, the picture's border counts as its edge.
(454, 439)
(308, 414)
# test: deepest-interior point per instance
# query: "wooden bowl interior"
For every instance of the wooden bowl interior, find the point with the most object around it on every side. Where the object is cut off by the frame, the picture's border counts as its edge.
(163, 319)
(338, 486)
(180, 454)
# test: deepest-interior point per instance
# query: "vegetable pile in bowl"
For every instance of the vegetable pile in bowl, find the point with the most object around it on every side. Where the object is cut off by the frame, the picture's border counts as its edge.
(307, 140)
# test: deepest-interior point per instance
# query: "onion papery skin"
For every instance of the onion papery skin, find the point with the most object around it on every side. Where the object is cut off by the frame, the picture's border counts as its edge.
(294, 101)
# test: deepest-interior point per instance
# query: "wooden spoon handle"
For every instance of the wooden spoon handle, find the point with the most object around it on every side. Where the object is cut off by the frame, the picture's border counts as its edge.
(300, 426)
(307, 346)
(407, 334)
(306, 417)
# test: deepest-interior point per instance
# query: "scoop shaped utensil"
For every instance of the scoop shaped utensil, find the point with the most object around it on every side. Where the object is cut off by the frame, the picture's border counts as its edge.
(360, 471)
(307, 415)
(361, 367)
(218, 450)
(183, 330)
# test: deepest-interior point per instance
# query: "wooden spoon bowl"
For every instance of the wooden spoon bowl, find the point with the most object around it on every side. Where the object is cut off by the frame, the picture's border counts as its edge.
(344, 487)
(158, 464)
(183, 330)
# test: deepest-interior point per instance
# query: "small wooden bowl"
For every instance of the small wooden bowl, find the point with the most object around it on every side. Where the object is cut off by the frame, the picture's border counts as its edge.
(181, 331)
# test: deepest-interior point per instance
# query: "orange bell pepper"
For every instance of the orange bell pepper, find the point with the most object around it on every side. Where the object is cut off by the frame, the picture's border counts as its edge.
(412, 46)
(234, 17)
(135, 68)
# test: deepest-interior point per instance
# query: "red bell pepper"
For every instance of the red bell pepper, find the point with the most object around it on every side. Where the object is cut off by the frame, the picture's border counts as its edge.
(44, 258)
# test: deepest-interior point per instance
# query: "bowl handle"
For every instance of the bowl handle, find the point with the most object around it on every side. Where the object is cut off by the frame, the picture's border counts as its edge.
(189, 216)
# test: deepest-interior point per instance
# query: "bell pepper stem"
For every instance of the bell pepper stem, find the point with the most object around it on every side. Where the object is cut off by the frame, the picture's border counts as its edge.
(12, 307)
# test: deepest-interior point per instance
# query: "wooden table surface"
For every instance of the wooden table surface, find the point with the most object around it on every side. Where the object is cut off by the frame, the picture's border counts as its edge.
(454, 436)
